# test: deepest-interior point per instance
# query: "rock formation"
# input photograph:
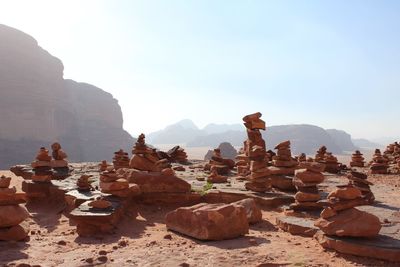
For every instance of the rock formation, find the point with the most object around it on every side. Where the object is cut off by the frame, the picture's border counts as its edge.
(227, 151)
(379, 164)
(12, 215)
(302, 158)
(340, 218)
(121, 159)
(222, 166)
(306, 180)
(320, 156)
(359, 181)
(39, 106)
(255, 150)
(177, 154)
(331, 163)
(283, 162)
(357, 159)
(114, 184)
(42, 166)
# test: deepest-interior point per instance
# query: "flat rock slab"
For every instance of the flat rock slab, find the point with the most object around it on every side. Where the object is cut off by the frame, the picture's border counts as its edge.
(384, 246)
(297, 225)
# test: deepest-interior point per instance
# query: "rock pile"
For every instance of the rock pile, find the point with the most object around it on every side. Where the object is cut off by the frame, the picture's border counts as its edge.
(302, 158)
(177, 154)
(112, 183)
(331, 163)
(145, 158)
(83, 183)
(340, 218)
(12, 215)
(306, 181)
(320, 156)
(255, 149)
(357, 159)
(42, 166)
(103, 166)
(283, 162)
(59, 161)
(221, 165)
(359, 181)
(215, 177)
(379, 164)
(121, 159)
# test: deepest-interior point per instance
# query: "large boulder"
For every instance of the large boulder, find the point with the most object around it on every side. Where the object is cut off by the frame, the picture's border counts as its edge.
(350, 222)
(155, 182)
(209, 221)
(12, 215)
(253, 212)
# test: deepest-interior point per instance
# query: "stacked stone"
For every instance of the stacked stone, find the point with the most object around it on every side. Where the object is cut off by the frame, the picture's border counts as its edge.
(121, 159)
(83, 183)
(59, 161)
(357, 159)
(103, 166)
(12, 215)
(221, 165)
(255, 149)
(331, 163)
(340, 218)
(359, 181)
(379, 163)
(112, 184)
(243, 162)
(145, 158)
(215, 177)
(42, 166)
(302, 158)
(178, 154)
(320, 156)
(306, 181)
(283, 159)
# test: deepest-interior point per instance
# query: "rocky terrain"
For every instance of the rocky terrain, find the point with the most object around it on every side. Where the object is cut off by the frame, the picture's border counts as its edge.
(38, 106)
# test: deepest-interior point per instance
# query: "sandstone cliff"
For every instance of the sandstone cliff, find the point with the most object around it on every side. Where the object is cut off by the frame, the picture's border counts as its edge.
(37, 107)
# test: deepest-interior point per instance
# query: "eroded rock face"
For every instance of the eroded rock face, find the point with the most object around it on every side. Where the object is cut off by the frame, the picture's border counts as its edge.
(209, 221)
(350, 222)
(39, 106)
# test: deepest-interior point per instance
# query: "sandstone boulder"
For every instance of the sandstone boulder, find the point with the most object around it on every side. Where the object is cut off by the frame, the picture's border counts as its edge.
(209, 221)
(253, 212)
(350, 222)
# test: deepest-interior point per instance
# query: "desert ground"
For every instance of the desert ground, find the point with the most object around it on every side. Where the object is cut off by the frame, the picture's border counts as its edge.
(142, 239)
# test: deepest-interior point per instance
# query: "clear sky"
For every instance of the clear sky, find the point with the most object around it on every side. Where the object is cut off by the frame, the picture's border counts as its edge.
(335, 63)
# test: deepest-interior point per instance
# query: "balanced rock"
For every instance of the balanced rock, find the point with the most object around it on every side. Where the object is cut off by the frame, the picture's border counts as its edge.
(121, 159)
(379, 164)
(357, 159)
(209, 221)
(12, 215)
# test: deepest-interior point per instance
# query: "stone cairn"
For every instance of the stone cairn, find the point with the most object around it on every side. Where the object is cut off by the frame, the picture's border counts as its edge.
(42, 171)
(221, 165)
(84, 184)
(111, 183)
(283, 160)
(177, 154)
(103, 166)
(302, 158)
(306, 181)
(121, 159)
(359, 181)
(12, 215)
(255, 146)
(379, 164)
(340, 218)
(145, 158)
(357, 159)
(215, 177)
(320, 156)
(331, 163)
(243, 162)
(59, 162)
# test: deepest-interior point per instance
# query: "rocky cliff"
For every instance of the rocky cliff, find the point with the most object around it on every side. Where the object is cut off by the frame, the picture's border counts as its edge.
(37, 107)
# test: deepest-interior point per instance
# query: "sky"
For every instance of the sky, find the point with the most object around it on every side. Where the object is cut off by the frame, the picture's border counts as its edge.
(332, 63)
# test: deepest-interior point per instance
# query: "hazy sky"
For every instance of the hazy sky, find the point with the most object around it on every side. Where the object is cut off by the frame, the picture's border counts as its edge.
(335, 64)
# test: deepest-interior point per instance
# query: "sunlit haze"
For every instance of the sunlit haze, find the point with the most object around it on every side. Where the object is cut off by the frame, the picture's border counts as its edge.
(334, 64)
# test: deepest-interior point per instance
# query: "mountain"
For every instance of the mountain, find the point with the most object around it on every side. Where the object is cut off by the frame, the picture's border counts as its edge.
(177, 133)
(366, 144)
(213, 128)
(342, 139)
(38, 106)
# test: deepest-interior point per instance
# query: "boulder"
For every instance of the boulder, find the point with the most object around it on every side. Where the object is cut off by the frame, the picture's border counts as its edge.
(253, 212)
(12, 215)
(14, 233)
(350, 222)
(155, 182)
(309, 176)
(346, 193)
(209, 221)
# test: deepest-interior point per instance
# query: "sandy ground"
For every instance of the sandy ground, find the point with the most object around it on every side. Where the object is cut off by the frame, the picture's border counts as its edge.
(143, 240)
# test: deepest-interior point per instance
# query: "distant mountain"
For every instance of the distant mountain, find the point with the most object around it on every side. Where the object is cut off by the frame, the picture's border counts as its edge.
(181, 132)
(38, 106)
(366, 144)
(305, 138)
(342, 139)
(213, 128)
